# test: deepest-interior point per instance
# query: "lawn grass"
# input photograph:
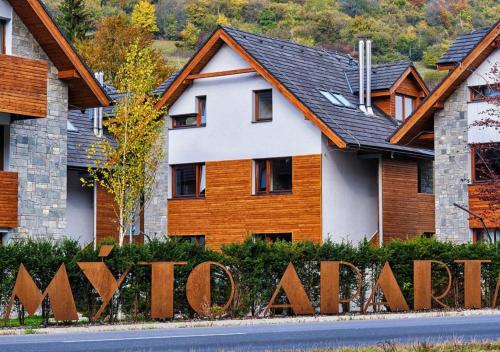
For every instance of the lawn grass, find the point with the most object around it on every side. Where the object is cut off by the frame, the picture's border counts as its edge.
(33, 322)
(448, 347)
(174, 55)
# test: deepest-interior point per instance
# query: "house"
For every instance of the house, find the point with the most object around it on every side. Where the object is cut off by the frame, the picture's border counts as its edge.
(445, 122)
(275, 140)
(42, 78)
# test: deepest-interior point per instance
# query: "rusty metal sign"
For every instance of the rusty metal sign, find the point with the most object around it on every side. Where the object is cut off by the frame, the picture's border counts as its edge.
(199, 288)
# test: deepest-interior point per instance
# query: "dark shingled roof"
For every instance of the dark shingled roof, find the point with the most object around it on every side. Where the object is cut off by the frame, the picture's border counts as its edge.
(463, 46)
(83, 138)
(163, 87)
(304, 71)
(383, 75)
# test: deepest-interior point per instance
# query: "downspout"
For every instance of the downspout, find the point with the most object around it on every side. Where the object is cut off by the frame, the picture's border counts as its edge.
(95, 215)
(380, 203)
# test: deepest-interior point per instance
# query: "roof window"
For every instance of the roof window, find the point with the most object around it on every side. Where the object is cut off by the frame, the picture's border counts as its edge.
(336, 99)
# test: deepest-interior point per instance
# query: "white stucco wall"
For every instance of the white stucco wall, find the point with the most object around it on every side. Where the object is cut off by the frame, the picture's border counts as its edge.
(350, 195)
(477, 111)
(80, 210)
(230, 133)
(6, 15)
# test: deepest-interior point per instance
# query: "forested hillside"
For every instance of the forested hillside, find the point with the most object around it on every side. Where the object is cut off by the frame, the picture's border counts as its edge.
(400, 29)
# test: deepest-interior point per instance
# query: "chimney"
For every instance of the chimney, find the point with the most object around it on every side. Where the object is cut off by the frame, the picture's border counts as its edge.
(98, 111)
(361, 56)
(369, 109)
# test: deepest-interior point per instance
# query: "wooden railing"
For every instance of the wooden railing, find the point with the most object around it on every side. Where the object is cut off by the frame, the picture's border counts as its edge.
(8, 199)
(23, 88)
(482, 202)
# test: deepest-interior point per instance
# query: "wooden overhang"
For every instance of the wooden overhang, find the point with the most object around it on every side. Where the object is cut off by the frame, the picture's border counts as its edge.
(193, 68)
(83, 89)
(422, 119)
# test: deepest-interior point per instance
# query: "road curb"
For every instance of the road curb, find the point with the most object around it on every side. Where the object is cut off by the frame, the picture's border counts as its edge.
(242, 322)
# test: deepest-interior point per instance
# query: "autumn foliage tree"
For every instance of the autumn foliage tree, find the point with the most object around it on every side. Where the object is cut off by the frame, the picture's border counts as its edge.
(128, 169)
(107, 49)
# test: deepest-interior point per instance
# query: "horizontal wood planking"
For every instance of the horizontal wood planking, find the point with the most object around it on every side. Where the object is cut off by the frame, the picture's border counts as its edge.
(8, 199)
(23, 88)
(107, 224)
(406, 213)
(230, 213)
(481, 203)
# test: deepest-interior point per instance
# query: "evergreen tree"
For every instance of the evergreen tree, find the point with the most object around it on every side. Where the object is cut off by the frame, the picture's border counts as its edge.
(74, 18)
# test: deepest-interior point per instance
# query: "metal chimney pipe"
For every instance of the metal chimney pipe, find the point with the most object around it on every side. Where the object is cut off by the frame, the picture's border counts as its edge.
(101, 81)
(362, 75)
(369, 109)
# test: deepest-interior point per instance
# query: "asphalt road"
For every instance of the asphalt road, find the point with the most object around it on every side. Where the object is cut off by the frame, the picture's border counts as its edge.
(266, 337)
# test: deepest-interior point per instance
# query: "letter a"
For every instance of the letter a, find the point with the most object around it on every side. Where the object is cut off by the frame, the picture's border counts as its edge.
(291, 285)
(389, 286)
(59, 292)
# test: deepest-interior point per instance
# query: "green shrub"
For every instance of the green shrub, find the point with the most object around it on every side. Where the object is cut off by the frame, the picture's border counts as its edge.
(256, 266)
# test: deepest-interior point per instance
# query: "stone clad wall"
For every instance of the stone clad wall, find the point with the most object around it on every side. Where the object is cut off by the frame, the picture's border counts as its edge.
(155, 213)
(38, 152)
(452, 165)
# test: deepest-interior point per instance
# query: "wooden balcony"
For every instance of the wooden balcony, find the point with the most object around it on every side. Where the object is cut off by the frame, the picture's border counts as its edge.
(23, 88)
(8, 199)
(483, 202)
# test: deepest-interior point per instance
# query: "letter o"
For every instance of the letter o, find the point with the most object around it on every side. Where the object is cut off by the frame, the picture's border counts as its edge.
(199, 290)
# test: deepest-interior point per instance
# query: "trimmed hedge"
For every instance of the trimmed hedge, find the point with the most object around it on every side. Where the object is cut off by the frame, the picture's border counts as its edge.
(257, 267)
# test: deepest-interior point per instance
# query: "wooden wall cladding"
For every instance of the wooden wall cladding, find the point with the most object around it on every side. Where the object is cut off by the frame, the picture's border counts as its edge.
(8, 199)
(230, 213)
(481, 203)
(107, 225)
(406, 213)
(23, 88)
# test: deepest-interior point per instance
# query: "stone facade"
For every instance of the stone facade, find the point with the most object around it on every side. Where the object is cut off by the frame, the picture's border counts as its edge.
(38, 152)
(452, 165)
(155, 213)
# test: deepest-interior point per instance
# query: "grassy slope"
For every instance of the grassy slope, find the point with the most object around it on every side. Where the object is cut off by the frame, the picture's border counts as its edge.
(174, 55)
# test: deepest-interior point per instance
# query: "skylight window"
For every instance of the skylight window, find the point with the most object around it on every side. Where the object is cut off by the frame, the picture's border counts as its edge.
(336, 99)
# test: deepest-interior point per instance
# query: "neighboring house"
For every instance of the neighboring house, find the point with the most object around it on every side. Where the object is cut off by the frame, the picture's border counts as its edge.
(92, 210)
(443, 122)
(42, 77)
(271, 139)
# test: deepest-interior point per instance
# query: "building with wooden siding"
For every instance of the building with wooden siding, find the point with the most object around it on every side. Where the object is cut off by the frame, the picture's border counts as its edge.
(42, 78)
(274, 140)
(467, 155)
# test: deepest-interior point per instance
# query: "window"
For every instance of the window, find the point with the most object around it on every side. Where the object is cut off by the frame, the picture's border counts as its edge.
(198, 119)
(273, 176)
(263, 109)
(480, 235)
(201, 110)
(273, 237)
(485, 162)
(481, 93)
(336, 99)
(198, 240)
(426, 176)
(2, 141)
(2, 37)
(189, 180)
(404, 106)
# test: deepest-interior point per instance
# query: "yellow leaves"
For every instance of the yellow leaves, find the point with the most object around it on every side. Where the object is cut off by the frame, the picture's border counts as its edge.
(144, 16)
(222, 20)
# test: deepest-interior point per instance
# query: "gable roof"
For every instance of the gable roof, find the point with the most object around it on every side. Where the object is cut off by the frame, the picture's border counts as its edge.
(299, 73)
(422, 118)
(384, 76)
(464, 43)
(84, 89)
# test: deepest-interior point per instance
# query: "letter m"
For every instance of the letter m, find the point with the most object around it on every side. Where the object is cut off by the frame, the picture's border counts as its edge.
(30, 296)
